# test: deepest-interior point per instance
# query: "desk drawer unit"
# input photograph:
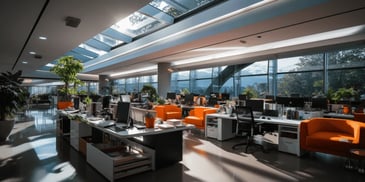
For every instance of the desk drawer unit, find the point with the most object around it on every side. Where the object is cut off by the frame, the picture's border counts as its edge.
(212, 127)
(77, 130)
(289, 139)
(118, 161)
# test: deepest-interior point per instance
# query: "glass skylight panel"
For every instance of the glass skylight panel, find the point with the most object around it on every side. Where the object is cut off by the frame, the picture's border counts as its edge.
(163, 6)
(137, 24)
(107, 40)
(92, 49)
(177, 8)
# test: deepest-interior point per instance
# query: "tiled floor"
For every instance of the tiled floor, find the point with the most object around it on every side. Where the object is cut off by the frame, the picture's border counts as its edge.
(34, 153)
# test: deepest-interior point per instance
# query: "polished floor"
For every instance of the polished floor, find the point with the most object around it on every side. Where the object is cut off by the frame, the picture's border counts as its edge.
(33, 152)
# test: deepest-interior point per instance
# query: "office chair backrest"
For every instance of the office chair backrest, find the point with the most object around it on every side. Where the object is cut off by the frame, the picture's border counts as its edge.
(244, 113)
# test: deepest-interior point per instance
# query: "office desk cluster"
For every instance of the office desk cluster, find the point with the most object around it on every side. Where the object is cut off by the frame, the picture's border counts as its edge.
(117, 153)
(221, 127)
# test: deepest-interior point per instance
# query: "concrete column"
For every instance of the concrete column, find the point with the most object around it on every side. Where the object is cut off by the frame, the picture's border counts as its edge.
(163, 78)
(104, 85)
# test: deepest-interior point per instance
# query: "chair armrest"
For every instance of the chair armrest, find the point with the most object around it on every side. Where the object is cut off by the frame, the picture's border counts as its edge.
(303, 132)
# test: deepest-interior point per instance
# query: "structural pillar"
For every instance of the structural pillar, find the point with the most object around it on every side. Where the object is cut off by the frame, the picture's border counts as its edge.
(104, 85)
(163, 78)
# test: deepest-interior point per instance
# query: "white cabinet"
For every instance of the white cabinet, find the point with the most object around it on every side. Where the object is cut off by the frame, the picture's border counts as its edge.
(77, 130)
(118, 161)
(218, 127)
(289, 139)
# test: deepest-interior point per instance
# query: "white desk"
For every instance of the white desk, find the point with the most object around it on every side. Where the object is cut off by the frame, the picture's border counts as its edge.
(220, 127)
(338, 115)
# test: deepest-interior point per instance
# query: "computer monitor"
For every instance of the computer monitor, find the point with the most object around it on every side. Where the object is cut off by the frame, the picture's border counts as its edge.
(256, 105)
(122, 114)
(320, 103)
(291, 101)
(171, 95)
(242, 97)
(106, 101)
(225, 96)
(189, 99)
(283, 100)
(125, 98)
(297, 101)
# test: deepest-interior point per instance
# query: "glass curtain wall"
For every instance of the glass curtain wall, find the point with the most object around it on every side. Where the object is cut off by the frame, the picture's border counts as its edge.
(133, 84)
(305, 75)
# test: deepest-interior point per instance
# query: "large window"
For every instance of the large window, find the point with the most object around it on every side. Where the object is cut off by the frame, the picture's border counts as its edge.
(347, 69)
(302, 75)
(306, 75)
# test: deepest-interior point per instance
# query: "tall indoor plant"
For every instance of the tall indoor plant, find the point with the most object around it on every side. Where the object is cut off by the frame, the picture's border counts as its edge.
(67, 69)
(13, 98)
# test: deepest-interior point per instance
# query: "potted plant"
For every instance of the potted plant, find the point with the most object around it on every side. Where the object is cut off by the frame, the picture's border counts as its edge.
(151, 91)
(13, 98)
(67, 69)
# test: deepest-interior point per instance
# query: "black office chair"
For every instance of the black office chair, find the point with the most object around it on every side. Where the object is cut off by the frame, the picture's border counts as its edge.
(247, 126)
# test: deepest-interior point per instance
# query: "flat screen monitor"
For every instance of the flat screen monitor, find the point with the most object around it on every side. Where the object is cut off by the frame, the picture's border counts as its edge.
(319, 103)
(256, 105)
(225, 96)
(106, 101)
(242, 97)
(122, 114)
(212, 101)
(171, 95)
(125, 98)
(291, 101)
(189, 99)
(283, 100)
(297, 101)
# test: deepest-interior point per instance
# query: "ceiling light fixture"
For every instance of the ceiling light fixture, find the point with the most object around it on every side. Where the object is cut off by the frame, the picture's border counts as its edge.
(149, 68)
(279, 44)
(32, 52)
(42, 38)
(25, 62)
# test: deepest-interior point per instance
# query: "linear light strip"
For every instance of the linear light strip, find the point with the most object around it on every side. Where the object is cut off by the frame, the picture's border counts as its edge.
(280, 44)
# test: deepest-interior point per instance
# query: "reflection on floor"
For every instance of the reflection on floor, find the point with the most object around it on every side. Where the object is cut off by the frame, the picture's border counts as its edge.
(33, 152)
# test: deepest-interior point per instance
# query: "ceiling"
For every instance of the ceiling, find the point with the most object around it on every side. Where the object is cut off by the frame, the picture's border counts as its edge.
(267, 31)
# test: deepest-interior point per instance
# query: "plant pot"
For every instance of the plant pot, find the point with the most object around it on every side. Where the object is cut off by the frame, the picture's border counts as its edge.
(150, 122)
(346, 109)
(5, 129)
(64, 104)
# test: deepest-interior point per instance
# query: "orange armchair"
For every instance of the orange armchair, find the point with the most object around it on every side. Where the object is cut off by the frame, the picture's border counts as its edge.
(197, 116)
(166, 112)
(332, 136)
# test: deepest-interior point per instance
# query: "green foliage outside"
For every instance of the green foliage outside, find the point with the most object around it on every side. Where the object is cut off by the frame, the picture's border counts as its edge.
(311, 83)
(250, 92)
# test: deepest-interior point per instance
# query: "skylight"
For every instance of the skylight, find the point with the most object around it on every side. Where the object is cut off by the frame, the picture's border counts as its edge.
(156, 15)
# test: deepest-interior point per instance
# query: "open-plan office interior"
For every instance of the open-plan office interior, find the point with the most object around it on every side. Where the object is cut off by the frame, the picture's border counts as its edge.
(287, 60)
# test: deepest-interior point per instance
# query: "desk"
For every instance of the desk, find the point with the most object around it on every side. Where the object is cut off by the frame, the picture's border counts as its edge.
(338, 115)
(159, 147)
(220, 126)
(167, 143)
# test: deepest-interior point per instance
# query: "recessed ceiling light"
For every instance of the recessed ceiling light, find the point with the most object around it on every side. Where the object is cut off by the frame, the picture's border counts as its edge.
(42, 38)
(25, 62)
(32, 52)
